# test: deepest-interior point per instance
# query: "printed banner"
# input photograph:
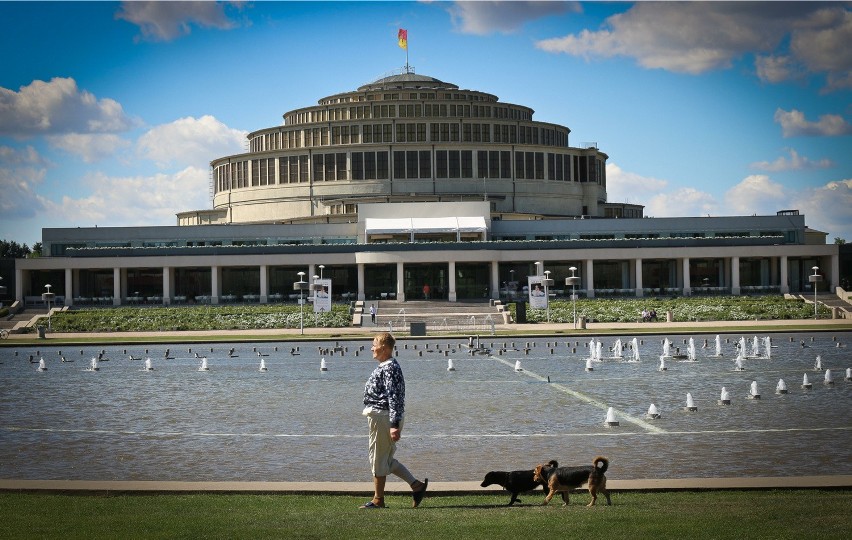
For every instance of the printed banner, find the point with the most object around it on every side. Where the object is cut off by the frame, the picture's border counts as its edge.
(538, 299)
(322, 297)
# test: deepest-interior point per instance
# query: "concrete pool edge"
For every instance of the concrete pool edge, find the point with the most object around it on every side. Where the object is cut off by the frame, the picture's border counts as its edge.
(435, 488)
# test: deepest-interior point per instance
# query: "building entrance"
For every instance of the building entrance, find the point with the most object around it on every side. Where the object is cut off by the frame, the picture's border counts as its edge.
(426, 281)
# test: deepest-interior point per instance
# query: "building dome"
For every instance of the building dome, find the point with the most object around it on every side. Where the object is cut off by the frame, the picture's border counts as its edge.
(406, 138)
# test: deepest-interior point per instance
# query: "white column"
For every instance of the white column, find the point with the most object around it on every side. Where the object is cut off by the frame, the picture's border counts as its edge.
(116, 286)
(495, 280)
(452, 271)
(124, 283)
(785, 287)
(264, 284)
(215, 284)
(400, 282)
(638, 274)
(69, 287)
(590, 278)
(834, 277)
(168, 285)
(19, 285)
(735, 276)
(361, 295)
(687, 287)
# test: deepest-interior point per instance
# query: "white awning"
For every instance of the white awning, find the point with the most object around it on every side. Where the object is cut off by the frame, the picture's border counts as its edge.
(452, 224)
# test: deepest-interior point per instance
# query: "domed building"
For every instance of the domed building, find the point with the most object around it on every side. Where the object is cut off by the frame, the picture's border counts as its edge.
(407, 138)
(411, 188)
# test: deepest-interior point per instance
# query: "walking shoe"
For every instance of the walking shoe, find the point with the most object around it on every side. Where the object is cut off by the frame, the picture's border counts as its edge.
(418, 495)
(371, 505)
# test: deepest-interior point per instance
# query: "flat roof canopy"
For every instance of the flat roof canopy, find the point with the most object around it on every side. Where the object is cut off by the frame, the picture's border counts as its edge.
(419, 225)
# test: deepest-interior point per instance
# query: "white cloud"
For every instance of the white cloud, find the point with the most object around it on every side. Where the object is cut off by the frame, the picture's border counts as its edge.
(822, 43)
(135, 200)
(756, 194)
(21, 173)
(89, 147)
(776, 69)
(484, 18)
(696, 37)
(681, 202)
(624, 186)
(795, 162)
(793, 123)
(826, 208)
(190, 141)
(58, 106)
(165, 21)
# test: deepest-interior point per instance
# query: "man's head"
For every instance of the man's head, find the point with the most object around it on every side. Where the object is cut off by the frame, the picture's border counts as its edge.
(383, 346)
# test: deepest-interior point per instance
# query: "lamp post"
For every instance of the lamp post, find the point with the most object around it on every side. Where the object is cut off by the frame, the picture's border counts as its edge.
(547, 284)
(48, 298)
(511, 284)
(301, 286)
(321, 268)
(573, 280)
(815, 279)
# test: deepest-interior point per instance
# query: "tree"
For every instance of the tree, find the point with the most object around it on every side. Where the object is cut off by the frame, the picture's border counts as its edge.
(13, 250)
(838, 240)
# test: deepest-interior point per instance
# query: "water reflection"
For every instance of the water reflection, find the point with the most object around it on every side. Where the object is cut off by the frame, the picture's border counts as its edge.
(297, 422)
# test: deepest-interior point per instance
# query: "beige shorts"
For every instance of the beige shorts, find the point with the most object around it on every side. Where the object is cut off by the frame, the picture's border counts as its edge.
(382, 448)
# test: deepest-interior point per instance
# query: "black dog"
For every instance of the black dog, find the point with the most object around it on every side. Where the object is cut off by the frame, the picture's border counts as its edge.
(514, 482)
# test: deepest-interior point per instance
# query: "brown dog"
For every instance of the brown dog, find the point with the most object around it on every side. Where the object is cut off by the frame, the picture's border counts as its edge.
(564, 479)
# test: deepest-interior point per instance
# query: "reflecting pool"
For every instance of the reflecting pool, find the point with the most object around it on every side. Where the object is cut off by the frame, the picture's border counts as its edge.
(294, 422)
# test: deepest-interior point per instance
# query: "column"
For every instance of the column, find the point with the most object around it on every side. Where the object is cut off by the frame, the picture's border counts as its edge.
(452, 271)
(19, 285)
(834, 277)
(264, 284)
(400, 282)
(495, 280)
(735, 276)
(116, 286)
(124, 283)
(168, 285)
(687, 287)
(785, 286)
(638, 273)
(69, 287)
(215, 284)
(590, 278)
(361, 295)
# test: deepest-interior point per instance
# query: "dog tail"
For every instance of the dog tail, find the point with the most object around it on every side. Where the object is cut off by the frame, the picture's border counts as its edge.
(604, 464)
(553, 463)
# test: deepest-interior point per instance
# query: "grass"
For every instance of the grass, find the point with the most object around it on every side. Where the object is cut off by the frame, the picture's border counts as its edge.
(776, 514)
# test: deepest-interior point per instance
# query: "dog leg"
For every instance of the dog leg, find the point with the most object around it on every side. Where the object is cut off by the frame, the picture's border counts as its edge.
(564, 498)
(550, 495)
(514, 499)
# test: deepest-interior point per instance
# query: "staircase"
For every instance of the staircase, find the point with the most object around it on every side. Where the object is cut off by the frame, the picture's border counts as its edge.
(437, 315)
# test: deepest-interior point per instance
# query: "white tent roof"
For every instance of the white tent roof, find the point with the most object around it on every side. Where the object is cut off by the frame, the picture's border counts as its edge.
(425, 225)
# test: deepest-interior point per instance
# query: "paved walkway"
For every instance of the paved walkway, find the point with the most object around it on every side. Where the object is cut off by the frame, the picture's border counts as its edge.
(539, 329)
(435, 488)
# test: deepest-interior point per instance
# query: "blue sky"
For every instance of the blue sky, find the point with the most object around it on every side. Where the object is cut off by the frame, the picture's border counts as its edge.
(111, 112)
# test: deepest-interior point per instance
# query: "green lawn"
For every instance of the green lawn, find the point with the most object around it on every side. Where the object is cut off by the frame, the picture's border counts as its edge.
(778, 514)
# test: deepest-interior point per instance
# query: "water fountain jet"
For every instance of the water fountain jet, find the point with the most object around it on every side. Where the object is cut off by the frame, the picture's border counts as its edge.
(753, 393)
(610, 418)
(690, 404)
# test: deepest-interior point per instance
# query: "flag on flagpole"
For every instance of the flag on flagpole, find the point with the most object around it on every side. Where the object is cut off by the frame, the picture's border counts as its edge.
(402, 36)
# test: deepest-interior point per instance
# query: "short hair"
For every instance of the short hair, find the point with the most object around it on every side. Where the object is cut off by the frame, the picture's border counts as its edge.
(385, 339)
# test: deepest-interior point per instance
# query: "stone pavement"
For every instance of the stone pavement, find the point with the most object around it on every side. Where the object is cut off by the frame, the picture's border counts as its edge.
(435, 488)
(538, 329)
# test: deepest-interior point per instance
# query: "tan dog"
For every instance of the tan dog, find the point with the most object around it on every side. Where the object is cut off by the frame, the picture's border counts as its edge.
(564, 479)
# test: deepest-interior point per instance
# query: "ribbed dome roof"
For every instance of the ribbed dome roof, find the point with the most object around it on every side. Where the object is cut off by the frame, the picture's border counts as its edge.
(407, 80)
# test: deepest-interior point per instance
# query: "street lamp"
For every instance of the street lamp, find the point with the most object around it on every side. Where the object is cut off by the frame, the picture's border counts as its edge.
(573, 280)
(547, 284)
(48, 298)
(301, 286)
(321, 268)
(815, 279)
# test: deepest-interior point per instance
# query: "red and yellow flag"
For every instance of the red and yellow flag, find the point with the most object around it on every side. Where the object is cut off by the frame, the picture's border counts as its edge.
(402, 36)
